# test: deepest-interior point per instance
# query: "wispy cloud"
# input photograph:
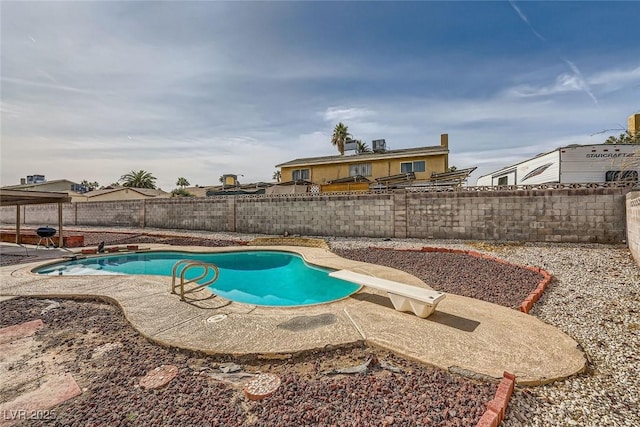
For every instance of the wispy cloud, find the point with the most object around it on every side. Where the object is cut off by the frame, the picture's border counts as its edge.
(60, 87)
(615, 79)
(333, 114)
(526, 20)
(601, 82)
(564, 83)
(579, 82)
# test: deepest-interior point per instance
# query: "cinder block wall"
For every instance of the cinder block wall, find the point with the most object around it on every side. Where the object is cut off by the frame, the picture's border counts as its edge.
(367, 215)
(40, 215)
(576, 215)
(633, 224)
(209, 213)
(571, 215)
(121, 213)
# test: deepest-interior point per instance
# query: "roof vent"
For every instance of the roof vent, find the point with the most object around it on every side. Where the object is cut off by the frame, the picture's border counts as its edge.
(379, 145)
(350, 145)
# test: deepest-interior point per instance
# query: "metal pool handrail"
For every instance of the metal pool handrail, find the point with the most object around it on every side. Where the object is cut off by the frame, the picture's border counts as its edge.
(188, 264)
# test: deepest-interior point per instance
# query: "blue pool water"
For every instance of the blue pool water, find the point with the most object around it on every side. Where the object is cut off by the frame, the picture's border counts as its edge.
(253, 277)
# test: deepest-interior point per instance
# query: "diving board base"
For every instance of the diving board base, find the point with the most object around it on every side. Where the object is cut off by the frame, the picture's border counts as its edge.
(419, 301)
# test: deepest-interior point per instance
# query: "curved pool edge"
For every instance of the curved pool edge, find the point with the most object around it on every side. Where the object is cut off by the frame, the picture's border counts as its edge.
(315, 256)
(470, 334)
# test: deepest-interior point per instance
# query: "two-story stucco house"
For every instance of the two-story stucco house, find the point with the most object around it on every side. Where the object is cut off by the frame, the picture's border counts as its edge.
(422, 161)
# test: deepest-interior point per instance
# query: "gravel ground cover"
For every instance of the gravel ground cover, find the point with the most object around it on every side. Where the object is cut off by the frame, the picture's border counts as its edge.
(107, 358)
(460, 274)
(95, 238)
(594, 298)
(16, 259)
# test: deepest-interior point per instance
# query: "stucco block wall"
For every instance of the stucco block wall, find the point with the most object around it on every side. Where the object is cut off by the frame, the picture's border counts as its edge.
(209, 214)
(633, 224)
(368, 215)
(581, 215)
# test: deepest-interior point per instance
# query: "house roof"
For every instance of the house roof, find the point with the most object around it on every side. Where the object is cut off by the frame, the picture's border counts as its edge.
(198, 191)
(363, 157)
(24, 186)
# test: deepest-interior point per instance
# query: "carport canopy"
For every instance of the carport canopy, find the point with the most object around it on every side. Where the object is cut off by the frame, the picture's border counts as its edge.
(19, 198)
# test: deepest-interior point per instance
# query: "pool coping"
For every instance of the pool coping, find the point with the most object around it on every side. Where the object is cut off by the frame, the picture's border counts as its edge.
(464, 335)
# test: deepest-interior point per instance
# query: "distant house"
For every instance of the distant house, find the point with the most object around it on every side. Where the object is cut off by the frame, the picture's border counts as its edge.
(124, 193)
(38, 183)
(381, 163)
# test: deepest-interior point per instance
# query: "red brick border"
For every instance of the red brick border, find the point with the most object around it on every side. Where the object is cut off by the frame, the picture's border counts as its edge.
(497, 406)
(535, 295)
(528, 302)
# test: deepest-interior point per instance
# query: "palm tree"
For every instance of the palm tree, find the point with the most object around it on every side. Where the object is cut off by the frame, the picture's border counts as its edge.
(277, 176)
(182, 182)
(340, 135)
(362, 147)
(139, 179)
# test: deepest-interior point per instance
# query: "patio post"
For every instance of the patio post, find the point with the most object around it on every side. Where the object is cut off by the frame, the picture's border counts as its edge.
(60, 239)
(18, 224)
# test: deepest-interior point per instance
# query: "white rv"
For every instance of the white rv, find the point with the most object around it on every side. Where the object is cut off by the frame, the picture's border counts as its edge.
(572, 164)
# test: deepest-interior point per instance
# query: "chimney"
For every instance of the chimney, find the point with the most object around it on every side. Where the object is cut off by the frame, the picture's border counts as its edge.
(444, 140)
(634, 123)
(444, 143)
(23, 181)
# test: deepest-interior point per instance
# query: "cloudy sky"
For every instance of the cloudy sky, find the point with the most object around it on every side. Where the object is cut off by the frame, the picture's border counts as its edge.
(93, 90)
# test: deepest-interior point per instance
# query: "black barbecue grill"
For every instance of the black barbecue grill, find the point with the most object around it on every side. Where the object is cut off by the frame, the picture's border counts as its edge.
(46, 233)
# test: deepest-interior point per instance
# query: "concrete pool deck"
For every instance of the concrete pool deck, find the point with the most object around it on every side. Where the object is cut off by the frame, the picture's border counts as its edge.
(464, 335)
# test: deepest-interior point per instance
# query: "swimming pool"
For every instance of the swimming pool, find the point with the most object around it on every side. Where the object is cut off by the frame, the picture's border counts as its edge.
(269, 278)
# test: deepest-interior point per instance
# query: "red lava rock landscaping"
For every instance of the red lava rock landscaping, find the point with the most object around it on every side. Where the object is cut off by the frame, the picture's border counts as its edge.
(299, 394)
(416, 395)
(483, 278)
(159, 377)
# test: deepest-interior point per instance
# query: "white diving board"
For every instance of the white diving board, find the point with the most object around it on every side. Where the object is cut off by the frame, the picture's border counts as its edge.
(422, 302)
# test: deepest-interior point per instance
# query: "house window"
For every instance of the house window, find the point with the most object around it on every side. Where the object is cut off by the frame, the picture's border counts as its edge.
(503, 180)
(407, 167)
(300, 175)
(363, 169)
